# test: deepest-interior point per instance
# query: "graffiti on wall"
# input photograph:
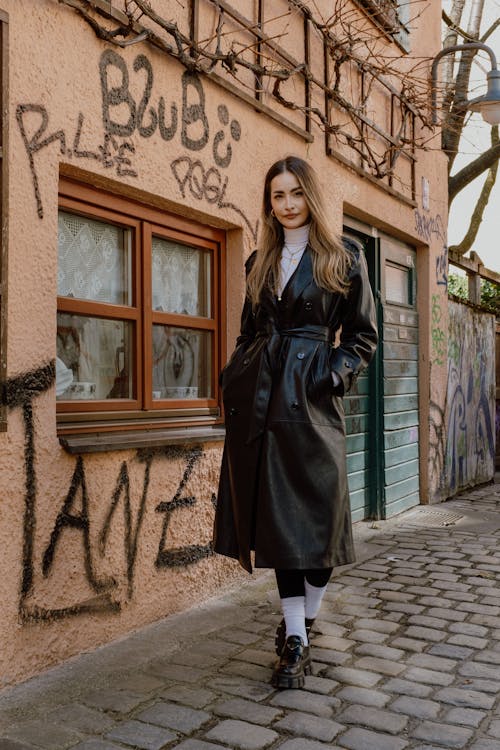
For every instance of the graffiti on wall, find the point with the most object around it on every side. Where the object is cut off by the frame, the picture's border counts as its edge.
(437, 333)
(431, 228)
(437, 445)
(442, 268)
(75, 513)
(470, 449)
(126, 119)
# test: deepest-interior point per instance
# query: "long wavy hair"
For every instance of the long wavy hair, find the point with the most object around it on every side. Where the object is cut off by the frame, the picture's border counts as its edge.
(331, 261)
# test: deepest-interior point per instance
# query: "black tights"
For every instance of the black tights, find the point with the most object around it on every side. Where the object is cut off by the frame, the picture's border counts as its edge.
(291, 582)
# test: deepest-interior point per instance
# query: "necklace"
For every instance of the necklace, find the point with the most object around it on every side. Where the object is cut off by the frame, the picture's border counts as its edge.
(291, 260)
(291, 257)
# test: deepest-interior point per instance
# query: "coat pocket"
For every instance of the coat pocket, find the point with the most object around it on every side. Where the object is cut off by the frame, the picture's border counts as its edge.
(320, 382)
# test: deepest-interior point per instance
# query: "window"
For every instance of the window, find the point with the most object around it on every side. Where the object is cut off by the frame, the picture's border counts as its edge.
(139, 312)
(393, 16)
(398, 284)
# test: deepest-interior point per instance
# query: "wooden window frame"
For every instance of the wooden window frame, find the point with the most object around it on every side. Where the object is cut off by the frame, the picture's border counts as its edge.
(141, 411)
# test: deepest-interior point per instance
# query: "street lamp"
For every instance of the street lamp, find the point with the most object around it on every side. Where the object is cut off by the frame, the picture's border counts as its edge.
(487, 105)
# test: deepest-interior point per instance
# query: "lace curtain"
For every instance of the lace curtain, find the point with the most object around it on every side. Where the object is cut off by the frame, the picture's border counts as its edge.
(181, 278)
(94, 260)
(180, 284)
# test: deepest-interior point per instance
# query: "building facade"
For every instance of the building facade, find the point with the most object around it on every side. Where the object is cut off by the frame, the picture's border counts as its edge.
(133, 154)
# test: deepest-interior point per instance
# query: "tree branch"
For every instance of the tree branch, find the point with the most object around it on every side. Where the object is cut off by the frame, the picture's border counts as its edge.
(482, 202)
(494, 26)
(455, 27)
(487, 160)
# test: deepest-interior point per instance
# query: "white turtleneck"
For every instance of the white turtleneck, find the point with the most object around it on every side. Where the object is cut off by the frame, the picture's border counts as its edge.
(295, 242)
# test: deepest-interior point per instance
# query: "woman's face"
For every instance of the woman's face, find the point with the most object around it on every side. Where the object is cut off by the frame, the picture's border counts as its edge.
(288, 201)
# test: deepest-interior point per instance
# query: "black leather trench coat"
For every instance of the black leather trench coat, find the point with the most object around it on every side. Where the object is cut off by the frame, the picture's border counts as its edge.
(283, 484)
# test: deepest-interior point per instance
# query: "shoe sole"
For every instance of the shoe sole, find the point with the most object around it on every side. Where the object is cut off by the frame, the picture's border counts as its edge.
(289, 682)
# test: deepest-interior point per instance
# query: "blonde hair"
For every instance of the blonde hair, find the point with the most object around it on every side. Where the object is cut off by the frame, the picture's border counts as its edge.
(331, 260)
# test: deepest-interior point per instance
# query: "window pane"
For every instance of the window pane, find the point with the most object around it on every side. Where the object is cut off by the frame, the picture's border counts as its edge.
(182, 363)
(93, 358)
(397, 284)
(181, 278)
(94, 260)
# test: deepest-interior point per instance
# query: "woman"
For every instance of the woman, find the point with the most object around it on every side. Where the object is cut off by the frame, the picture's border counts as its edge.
(283, 486)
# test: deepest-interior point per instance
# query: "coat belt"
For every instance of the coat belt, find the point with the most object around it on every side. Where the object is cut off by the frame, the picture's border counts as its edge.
(265, 377)
(315, 332)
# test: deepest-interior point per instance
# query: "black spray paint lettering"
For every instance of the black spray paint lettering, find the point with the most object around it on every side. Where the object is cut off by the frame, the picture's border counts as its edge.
(131, 534)
(195, 128)
(111, 153)
(34, 143)
(193, 113)
(442, 268)
(225, 160)
(206, 184)
(122, 117)
(429, 226)
(68, 517)
(187, 555)
(19, 392)
(119, 99)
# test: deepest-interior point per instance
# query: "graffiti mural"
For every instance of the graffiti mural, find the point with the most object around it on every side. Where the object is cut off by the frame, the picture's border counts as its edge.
(437, 445)
(75, 513)
(125, 117)
(437, 333)
(470, 449)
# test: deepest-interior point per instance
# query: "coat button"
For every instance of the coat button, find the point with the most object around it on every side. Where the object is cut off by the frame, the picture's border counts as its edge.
(232, 412)
(308, 306)
(295, 404)
(246, 361)
(300, 355)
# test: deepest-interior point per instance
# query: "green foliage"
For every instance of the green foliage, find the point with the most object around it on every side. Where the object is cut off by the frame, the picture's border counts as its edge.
(490, 293)
(490, 296)
(457, 285)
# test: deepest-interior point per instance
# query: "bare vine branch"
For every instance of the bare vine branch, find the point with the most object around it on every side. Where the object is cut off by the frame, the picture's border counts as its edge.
(349, 46)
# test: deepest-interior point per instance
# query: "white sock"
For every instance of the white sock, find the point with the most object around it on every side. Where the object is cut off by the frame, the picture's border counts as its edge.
(294, 613)
(314, 597)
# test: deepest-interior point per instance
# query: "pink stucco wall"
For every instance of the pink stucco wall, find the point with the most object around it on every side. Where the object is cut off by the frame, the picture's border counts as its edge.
(57, 68)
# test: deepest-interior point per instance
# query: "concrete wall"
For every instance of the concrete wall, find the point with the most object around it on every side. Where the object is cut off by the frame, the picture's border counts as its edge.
(81, 537)
(470, 408)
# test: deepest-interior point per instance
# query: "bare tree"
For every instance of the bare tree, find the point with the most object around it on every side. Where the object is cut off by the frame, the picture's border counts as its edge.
(464, 22)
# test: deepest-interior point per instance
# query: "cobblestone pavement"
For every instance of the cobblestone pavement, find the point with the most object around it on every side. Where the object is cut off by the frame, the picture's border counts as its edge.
(406, 655)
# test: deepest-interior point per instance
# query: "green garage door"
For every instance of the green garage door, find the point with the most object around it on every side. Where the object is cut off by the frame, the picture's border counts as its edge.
(400, 375)
(361, 405)
(382, 407)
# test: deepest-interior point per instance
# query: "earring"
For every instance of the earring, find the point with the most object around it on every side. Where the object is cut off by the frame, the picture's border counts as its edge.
(272, 213)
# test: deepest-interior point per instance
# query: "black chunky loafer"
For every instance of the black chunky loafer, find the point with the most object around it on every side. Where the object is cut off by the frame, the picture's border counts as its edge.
(293, 666)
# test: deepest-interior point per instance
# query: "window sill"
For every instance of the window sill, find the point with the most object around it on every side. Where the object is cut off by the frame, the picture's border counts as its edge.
(98, 442)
